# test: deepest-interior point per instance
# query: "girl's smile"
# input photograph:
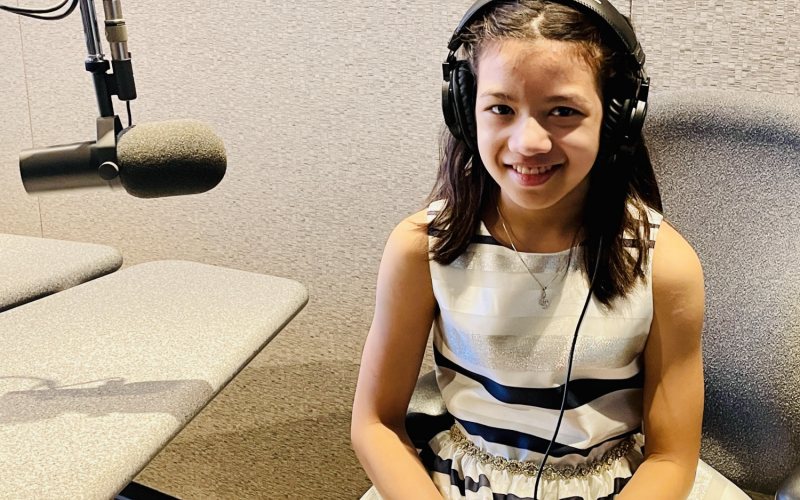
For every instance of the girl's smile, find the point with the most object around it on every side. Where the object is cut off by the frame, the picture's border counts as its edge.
(533, 175)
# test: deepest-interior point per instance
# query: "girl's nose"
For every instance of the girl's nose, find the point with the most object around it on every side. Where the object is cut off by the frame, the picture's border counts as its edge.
(530, 138)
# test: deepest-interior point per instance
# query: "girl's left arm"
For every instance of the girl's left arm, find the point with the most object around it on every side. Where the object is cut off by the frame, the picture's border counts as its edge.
(673, 382)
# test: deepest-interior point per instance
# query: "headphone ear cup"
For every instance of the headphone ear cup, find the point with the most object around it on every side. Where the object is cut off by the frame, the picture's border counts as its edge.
(615, 121)
(463, 85)
(638, 113)
(449, 107)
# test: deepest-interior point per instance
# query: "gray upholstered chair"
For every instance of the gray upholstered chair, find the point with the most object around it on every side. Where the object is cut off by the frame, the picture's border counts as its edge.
(728, 165)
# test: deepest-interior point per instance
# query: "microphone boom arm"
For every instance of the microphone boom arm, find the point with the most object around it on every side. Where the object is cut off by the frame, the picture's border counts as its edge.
(120, 82)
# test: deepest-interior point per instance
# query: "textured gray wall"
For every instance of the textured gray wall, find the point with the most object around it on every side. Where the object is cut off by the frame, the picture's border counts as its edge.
(19, 213)
(330, 112)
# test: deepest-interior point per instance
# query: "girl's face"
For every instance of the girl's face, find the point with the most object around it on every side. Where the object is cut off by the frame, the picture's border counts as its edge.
(539, 114)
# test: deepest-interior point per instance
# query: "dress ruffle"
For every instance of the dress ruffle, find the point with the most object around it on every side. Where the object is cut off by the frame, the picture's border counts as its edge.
(468, 478)
(459, 475)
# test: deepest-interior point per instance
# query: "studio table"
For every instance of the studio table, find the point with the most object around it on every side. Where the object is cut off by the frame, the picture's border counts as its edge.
(31, 268)
(95, 380)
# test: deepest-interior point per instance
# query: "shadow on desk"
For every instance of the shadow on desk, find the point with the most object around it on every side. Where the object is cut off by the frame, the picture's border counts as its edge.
(44, 399)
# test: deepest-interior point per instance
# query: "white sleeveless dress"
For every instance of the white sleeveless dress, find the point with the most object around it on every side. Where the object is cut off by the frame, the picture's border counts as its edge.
(501, 362)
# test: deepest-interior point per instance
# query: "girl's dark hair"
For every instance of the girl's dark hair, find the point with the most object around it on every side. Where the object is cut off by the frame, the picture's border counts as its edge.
(468, 190)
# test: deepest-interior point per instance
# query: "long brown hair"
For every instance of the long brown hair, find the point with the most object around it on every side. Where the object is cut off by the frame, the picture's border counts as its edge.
(467, 189)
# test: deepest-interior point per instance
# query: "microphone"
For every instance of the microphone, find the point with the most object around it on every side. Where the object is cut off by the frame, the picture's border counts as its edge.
(148, 160)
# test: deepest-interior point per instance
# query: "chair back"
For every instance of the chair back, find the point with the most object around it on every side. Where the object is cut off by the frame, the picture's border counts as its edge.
(728, 167)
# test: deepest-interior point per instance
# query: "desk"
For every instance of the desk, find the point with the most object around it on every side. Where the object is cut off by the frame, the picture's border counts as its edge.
(31, 268)
(97, 379)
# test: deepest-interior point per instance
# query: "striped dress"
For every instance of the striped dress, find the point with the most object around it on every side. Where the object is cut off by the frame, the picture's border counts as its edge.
(501, 363)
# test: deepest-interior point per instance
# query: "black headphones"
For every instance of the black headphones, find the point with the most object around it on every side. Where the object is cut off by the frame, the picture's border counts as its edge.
(625, 108)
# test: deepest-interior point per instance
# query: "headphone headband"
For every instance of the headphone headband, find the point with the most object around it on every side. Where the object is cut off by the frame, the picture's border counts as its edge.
(601, 10)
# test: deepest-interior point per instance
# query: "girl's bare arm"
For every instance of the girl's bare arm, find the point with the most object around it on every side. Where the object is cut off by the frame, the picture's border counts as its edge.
(390, 363)
(673, 387)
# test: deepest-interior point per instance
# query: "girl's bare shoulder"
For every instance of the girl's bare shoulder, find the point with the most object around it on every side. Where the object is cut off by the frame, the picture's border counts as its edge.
(409, 239)
(676, 265)
(678, 285)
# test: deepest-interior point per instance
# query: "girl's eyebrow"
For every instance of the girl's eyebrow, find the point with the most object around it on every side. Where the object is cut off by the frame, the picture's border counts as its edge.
(499, 95)
(577, 98)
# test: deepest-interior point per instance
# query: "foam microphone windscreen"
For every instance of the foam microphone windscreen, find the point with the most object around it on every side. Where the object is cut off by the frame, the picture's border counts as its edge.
(170, 158)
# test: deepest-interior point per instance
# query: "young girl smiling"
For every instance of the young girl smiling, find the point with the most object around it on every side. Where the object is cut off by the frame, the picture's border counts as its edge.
(543, 218)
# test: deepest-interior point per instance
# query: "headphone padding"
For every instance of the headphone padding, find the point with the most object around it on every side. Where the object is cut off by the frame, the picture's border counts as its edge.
(613, 123)
(463, 82)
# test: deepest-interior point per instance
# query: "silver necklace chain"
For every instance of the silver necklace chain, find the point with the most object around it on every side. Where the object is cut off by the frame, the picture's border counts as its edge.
(543, 299)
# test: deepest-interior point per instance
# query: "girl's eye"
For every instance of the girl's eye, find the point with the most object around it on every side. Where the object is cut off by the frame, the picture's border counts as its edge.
(500, 109)
(564, 111)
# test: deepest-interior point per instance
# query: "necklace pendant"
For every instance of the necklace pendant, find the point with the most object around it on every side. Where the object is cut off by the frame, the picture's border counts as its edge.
(543, 299)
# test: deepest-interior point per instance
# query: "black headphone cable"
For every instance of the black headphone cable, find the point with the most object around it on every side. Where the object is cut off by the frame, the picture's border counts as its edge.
(569, 372)
(40, 13)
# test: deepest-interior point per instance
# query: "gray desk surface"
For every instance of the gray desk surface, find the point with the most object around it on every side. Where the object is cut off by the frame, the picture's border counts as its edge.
(35, 267)
(96, 380)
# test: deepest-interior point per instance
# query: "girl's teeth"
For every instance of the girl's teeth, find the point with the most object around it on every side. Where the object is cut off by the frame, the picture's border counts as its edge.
(523, 170)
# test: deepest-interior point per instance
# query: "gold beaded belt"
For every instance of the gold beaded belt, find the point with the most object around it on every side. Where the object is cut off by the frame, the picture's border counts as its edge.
(530, 469)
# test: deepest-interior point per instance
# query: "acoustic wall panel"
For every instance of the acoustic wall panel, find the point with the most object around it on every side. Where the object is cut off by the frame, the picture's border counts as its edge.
(19, 213)
(721, 44)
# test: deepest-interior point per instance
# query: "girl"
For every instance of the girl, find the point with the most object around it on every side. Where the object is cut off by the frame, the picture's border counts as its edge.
(540, 223)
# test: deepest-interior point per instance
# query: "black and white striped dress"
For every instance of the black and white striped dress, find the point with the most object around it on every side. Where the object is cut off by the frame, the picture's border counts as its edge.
(501, 362)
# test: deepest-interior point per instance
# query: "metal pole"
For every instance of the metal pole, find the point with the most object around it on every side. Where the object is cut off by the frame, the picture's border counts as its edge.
(96, 63)
(116, 31)
(117, 38)
(92, 34)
